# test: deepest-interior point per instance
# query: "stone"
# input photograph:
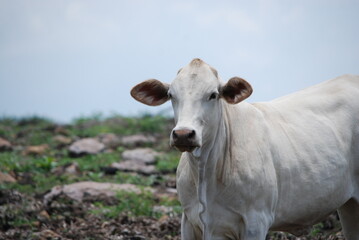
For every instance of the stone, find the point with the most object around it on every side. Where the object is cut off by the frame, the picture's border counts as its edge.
(77, 191)
(6, 178)
(110, 140)
(138, 160)
(61, 129)
(134, 166)
(163, 209)
(62, 140)
(86, 146)
(36, 150)
(5, 145)
(43, 215)
(166, 193)
(67, 169)
(142, 155)
(137, 140)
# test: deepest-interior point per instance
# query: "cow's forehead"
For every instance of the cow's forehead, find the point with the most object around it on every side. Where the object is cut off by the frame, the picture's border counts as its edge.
(197, 75)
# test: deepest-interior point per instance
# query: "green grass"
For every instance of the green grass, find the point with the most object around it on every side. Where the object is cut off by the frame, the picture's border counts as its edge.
(317, 229)
(168, 162)
(30, 131)
(122, 177)
(134, 204)
(14, 161)
(10, 161)
(93, 125)
(92, 162)
(37, 130)
(40, 167)
(131, 203)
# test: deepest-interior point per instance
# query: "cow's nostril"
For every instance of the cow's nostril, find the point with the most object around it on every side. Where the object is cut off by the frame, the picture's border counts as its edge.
(174, 134)
(192, 134)
(183, 134)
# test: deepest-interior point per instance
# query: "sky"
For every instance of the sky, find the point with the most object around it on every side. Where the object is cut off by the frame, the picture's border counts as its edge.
(72, 58)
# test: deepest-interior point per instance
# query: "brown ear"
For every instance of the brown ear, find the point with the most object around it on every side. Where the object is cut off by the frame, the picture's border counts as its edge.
(236, 90)
(151, 92)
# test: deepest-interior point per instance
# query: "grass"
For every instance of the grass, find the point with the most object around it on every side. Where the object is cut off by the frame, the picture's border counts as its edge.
(42, 179)
(36, 130)
(30, 131)
(131, 203)
(15, 161)
(134, 204)
(168, 162)
(93, 125)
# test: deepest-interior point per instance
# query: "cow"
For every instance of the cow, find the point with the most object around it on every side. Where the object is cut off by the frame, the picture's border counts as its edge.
(247, 168)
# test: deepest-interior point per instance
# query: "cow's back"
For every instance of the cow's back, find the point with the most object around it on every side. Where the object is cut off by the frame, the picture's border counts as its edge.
(314, 136)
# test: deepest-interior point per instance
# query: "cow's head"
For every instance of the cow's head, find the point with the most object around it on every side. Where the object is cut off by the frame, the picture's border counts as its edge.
(197, 95)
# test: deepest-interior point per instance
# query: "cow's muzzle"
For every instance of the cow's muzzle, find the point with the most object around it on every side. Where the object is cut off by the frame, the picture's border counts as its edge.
(184, 139)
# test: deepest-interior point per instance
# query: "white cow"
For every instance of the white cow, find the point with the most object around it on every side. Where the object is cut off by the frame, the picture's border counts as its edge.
(249, 168)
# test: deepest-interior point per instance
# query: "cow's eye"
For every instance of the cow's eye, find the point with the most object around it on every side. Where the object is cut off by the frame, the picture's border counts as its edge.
(170, 96)
(213, 96)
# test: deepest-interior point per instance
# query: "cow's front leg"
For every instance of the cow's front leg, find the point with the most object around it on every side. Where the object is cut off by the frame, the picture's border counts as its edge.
(188, 232)
(255, 227)
(257, 233)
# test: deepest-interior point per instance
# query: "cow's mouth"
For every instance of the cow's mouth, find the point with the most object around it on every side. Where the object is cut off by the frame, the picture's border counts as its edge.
(185, 148)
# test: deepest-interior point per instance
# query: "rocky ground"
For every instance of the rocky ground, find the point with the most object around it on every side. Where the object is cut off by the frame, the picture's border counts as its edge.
(97, 178)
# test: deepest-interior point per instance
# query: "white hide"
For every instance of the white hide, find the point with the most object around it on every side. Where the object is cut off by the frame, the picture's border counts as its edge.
(279, 165)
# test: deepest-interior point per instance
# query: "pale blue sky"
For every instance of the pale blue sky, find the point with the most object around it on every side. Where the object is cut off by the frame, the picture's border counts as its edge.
(64, 59)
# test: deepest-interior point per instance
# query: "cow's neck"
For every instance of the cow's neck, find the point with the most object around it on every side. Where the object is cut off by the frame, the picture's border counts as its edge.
(215, 159)
(208, 169)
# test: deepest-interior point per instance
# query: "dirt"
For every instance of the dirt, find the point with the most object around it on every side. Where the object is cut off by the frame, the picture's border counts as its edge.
(68, 219)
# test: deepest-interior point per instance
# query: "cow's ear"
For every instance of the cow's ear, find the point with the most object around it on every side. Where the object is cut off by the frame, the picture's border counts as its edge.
(236, 90)
(151, 92)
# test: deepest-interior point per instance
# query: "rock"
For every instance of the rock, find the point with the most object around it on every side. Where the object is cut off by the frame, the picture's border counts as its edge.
(170, 181)
(67, 169)
(43, 215)
(163, 209)
(36, 150)
(138, 160)
(5, 145)
(86, 146)
(137, 140)
(134, 166)
(110, 140)
(61, 129)
(166, 193)
(6, 178)
(77, 191)
(62, 140)
(142, 155)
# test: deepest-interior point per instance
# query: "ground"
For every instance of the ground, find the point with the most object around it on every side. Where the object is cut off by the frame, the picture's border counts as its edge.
(35, 156)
